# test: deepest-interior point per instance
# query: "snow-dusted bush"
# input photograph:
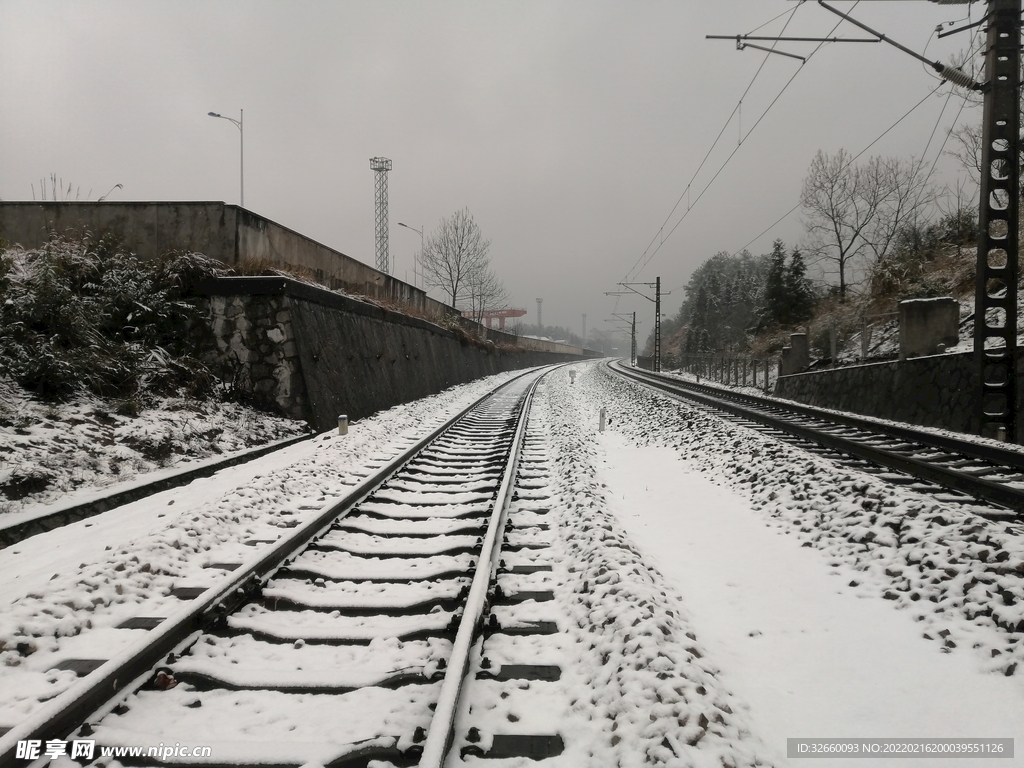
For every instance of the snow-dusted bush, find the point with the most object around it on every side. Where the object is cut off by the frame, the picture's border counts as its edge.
(86, 314)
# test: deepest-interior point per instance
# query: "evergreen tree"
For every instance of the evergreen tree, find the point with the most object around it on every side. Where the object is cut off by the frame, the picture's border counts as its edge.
(800, 296)
(775, 292)
(697, 337)
(722, 301)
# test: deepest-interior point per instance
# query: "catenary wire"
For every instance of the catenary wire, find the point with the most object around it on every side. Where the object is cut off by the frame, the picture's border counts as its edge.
(791, 211)
(854, 158)
(634, 271)
(714, 144)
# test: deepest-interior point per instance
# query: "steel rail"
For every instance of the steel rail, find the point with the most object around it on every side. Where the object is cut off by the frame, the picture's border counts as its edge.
(1002, 457)
(26, 526)
(119, 676)
(949, 478)
(442, 726)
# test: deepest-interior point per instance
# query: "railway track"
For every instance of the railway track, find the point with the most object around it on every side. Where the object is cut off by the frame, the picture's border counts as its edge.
(954, 469)
(16, 527)
(358, 636)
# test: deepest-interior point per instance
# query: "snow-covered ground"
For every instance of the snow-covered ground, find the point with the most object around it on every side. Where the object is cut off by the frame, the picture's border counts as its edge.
(836, 606)
(50, 452)
(64, 592)
(720, 591)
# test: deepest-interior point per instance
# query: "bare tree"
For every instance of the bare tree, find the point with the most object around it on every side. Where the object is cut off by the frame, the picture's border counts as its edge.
(968, 150)
(453, 254)
(484, 292)
(906, 194)
(856, 211)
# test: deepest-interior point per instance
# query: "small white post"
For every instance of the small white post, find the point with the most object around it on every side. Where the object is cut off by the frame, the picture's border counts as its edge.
(343, 424)
(600, 423)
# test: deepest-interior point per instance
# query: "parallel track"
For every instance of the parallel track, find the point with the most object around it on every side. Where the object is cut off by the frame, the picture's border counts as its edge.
(968, 470)
(25, 526)
(376, 606)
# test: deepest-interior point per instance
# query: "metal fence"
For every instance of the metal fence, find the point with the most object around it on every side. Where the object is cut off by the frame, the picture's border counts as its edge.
(736, 371)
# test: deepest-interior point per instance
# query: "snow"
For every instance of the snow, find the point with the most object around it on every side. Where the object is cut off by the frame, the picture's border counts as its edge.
(61, 587)
(715, 592)
(314, 626)
(54, 455)
(756, 392)
(812, 656)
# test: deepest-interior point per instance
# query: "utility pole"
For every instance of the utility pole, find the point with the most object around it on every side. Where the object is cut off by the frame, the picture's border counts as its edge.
(381, 165)
(584, 328)
(632, 344)
(631, 322)
(657, 325)
(540, 323)
(995, 296)
(657, 311)
(997, 269)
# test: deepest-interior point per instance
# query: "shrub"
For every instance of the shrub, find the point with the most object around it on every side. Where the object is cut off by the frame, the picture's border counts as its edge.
(86, 314)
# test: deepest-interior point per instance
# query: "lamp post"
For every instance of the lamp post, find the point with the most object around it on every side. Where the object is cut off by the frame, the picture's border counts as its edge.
(416, 260)
(241, 152)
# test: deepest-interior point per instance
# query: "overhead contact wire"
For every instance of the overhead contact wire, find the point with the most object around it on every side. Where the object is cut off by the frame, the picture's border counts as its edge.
(733, 153)
(711, 149)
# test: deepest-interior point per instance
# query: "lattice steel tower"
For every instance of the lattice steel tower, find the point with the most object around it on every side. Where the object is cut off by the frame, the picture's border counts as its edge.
(995, 304)
(381, 165)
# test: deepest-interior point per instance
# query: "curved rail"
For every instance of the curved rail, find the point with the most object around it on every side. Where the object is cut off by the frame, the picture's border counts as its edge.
(98, 692)
(778, 415)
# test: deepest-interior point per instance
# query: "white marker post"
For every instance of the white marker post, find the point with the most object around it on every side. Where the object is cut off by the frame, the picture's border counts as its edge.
(600, 423)
(343, 424)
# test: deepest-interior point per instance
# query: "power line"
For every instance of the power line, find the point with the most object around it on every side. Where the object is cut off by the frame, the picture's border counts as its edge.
(633, 271)
(853, 159)
(711, 149)
(973, 49)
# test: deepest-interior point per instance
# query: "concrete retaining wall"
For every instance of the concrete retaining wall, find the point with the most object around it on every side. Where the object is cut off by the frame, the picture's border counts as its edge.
(231, 235)
(224, 232)
(314, 354)
(931, 391)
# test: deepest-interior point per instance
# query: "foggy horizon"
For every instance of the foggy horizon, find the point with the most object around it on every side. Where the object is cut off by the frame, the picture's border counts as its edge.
(569, 131)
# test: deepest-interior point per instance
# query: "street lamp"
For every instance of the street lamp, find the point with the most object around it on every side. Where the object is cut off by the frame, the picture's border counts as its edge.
(241, 151)
(415, 261)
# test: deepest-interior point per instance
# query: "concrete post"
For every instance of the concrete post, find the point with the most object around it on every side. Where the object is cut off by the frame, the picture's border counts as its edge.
(600, 421)
(343, 424)
(926, 323)
(801, 355)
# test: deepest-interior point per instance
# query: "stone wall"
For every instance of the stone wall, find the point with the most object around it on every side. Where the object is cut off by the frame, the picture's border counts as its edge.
(314, 354)
(930, 391)
(256, 350)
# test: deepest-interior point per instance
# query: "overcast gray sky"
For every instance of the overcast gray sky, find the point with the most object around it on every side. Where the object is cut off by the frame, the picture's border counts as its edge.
(568, 128)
